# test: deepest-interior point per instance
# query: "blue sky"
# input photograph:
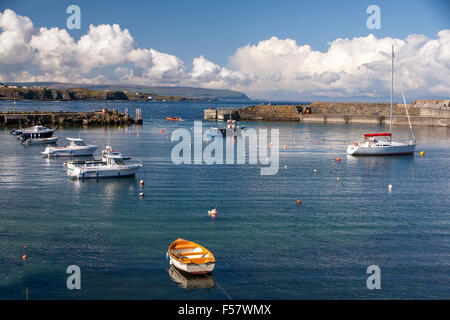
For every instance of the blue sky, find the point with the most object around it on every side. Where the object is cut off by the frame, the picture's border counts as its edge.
(269, 49)
(216, 28)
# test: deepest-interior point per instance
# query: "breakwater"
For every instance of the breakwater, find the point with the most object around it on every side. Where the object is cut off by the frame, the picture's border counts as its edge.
(434, 113)
(103, 117)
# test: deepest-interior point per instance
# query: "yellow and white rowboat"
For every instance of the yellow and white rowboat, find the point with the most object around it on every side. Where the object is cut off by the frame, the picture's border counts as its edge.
(190, 257)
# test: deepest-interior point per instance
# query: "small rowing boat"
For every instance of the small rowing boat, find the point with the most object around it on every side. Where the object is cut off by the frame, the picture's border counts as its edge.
(174, 119)
(190, 257)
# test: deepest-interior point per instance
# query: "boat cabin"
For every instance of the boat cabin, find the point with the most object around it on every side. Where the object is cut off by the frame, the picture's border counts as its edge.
(76, 142)
(37, 132)
(116, 160)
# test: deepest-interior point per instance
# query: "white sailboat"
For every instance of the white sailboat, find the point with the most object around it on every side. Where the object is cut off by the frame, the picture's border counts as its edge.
(381, 144)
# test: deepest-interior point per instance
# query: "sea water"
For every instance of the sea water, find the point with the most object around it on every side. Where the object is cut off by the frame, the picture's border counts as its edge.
(266, 246)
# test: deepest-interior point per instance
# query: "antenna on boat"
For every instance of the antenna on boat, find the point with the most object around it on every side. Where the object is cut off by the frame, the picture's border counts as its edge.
(392, 88)
(407, 114)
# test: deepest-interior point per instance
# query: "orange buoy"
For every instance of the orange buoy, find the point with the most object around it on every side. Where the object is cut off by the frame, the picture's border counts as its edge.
(270, 144)
(24, 257)
(25, 246)
(299, 201)
(285, 147)
(338, 159)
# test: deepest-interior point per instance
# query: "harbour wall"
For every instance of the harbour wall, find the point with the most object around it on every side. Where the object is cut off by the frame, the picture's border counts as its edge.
(434, 113)
(31, 118)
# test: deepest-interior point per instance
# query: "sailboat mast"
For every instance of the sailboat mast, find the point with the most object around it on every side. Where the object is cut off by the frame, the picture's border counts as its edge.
(392, 88)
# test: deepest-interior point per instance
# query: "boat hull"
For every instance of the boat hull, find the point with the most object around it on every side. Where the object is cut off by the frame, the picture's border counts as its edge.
(100, 173)
(67, 152)
(40, 140)
(193, 268)
(397, 149)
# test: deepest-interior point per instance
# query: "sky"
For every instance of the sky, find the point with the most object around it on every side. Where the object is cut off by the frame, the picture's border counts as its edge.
(267, 49)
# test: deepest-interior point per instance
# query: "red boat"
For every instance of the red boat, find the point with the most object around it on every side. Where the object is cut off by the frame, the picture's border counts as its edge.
(174, 119)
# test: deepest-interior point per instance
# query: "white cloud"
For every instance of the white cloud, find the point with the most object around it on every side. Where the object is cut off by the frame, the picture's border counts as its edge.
(354, 67)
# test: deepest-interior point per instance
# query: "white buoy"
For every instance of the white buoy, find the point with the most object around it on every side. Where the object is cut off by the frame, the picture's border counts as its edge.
(338, 179)
(141, 194)
(390, 187)
(285, 167)
(315, 171)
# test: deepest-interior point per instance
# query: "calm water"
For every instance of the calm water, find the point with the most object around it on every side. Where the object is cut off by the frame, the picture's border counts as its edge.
(265, 245)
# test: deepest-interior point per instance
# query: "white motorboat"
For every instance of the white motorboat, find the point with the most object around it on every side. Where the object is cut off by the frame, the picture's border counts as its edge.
(115, 166)
(76, 147)
(372, 146)
(36, 135)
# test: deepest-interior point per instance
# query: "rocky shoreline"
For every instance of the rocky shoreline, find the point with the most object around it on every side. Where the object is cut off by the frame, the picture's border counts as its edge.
(93, 118)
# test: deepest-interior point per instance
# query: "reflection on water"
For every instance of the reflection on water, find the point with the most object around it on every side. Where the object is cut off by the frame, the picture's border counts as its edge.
(189, 281)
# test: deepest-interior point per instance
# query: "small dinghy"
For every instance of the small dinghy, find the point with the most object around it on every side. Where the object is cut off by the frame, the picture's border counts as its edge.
(190, 257)
(174, 119)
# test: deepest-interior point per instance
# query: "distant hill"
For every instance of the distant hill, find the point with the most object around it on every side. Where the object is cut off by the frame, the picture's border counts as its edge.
(185, 92)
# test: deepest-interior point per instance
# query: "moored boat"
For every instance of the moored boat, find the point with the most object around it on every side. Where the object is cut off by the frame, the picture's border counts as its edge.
(386, 146)
(190, 257)
(36, 135)
(114, 166)
(176, 119)
(374, 146)
(76, 147)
